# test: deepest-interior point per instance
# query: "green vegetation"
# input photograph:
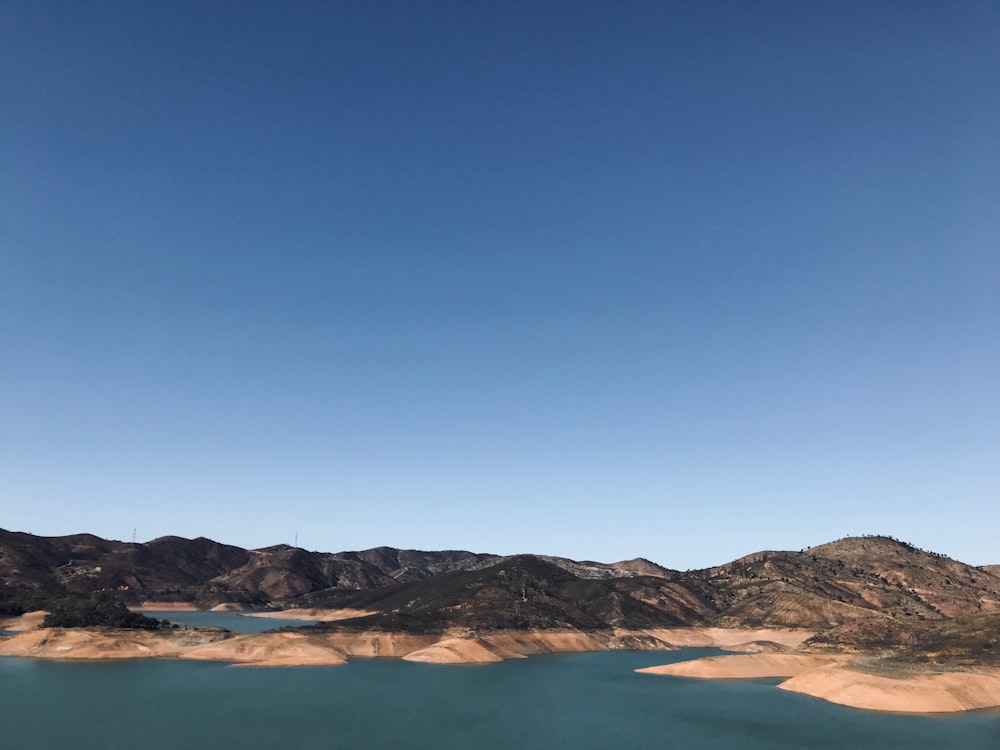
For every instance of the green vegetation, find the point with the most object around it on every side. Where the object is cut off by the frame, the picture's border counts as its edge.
(101, 609)
(16, 602)
(965, 641)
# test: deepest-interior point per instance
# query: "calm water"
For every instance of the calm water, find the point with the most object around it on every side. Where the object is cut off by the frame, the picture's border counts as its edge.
(230, 620)
(577, 701)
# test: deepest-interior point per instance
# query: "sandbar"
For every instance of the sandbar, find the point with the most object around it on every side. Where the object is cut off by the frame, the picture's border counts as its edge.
(832, 678)
(746, 666)
(920, 693)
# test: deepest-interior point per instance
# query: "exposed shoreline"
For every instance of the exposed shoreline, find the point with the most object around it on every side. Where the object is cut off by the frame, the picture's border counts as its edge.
(767, 652)
(297, 648)
(836, 678)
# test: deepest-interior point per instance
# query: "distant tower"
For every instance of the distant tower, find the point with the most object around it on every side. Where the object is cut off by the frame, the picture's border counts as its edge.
(296, 539)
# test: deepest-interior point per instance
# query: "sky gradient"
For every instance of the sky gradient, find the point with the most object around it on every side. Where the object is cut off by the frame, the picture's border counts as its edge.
(603, 280)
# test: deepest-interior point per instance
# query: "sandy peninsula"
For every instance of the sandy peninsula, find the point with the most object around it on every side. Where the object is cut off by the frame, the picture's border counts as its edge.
(746, 666)
(838, 678)
(920, 693)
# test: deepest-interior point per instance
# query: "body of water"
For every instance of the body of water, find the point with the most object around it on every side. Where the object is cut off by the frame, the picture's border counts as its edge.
(572, 701)
(234, 621)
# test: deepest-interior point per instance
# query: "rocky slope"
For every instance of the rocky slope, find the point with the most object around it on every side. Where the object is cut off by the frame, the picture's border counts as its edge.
(204, 572)
(525, 592)
(867, 591)
(852, 580)
(174, 569)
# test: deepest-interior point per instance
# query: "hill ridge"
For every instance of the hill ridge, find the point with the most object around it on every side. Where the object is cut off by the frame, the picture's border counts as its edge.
(853, 587)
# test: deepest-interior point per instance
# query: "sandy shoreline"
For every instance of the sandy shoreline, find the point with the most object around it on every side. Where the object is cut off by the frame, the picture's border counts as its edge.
(831, 677)
(826, 676)
(746, 666)
(923, 693)
(287, 648)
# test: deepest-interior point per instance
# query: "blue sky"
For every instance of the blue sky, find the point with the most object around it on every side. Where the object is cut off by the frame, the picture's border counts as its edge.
(678, 280)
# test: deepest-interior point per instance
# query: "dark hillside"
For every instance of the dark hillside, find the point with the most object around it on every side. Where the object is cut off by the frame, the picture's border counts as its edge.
(403, 565)
(875, 592)
(285, 573)
(528, 592)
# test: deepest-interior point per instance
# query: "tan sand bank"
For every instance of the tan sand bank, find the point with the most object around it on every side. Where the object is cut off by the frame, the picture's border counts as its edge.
(470, 648)
(831, 678)
(81, 643)
(924, 693)
(746, 666)
(259, 649)
(319, 615)
(464, 647)
(516, 644)
(732, 638)
(27, 621)
(271, 650)
(454, 651)
(229, 607)
(459, 647)
(375, 644)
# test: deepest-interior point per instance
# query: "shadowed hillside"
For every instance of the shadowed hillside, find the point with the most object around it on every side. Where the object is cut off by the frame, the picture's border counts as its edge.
(526, 592)
(205, 572)
(873, 591)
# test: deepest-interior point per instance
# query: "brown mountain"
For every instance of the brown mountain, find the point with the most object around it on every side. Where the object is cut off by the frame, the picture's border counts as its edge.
(206, 572)
(403, 565)
(855, 590)
(200, 570)
(852, 579)
(526, 592)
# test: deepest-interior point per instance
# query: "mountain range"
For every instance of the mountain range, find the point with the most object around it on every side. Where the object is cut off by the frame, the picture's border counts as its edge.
(857, 589)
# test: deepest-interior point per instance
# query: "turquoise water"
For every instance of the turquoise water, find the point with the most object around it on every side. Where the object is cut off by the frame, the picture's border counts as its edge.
(230, 620)
(579, 701)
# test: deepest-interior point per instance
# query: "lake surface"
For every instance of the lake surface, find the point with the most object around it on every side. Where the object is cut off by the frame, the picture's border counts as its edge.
(572, 701)
(229, 620)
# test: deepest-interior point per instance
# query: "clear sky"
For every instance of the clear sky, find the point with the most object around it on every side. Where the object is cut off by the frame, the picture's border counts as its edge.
(604, 280)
